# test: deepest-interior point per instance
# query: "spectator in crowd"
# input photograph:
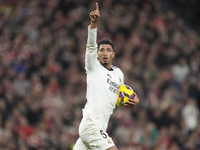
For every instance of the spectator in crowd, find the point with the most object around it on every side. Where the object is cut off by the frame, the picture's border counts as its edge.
(42, 90)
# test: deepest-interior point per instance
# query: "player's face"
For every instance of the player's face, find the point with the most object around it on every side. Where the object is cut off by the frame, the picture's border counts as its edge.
(105, 55)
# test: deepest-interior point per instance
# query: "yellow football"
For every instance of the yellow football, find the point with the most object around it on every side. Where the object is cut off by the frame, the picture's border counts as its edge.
(125, 92)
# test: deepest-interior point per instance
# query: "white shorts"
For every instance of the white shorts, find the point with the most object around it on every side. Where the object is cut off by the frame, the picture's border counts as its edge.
(92, 136)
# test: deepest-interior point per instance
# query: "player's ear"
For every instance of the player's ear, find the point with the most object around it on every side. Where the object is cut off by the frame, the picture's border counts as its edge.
(113, 55)
(97, 54)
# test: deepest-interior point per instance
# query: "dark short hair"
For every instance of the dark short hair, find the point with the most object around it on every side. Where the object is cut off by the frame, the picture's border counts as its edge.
(106, 41)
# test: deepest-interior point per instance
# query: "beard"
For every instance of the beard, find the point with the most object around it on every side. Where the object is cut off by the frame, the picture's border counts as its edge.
(105, 64)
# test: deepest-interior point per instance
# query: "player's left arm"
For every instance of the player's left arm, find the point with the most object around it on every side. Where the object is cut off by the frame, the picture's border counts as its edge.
(132, 102)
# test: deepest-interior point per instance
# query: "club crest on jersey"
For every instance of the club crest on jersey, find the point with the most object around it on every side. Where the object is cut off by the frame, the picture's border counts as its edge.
(109, 141)
(120, 80)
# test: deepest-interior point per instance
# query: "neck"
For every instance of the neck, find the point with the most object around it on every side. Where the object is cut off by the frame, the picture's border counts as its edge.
(107, 66)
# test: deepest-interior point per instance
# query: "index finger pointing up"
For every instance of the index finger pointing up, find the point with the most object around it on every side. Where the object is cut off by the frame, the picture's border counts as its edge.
(97, 7)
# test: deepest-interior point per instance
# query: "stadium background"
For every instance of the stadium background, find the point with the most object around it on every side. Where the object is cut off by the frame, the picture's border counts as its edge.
(42, 77)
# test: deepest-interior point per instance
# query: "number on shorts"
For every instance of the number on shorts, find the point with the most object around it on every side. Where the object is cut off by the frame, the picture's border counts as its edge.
(103, 134)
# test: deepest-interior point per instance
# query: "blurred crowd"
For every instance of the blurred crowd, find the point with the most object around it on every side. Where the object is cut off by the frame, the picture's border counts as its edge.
(189, 9)
(42, 75)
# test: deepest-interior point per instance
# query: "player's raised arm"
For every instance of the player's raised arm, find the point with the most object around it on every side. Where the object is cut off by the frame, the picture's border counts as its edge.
(94, 16)
(91, 51)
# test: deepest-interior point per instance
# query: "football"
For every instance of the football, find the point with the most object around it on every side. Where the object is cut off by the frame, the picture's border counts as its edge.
(125, 92)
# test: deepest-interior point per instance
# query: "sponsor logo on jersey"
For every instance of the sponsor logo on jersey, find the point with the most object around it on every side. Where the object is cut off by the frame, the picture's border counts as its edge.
(109, 75)
(114, 87)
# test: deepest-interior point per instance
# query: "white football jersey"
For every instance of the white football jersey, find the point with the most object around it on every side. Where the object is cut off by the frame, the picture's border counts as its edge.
(102, 84)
